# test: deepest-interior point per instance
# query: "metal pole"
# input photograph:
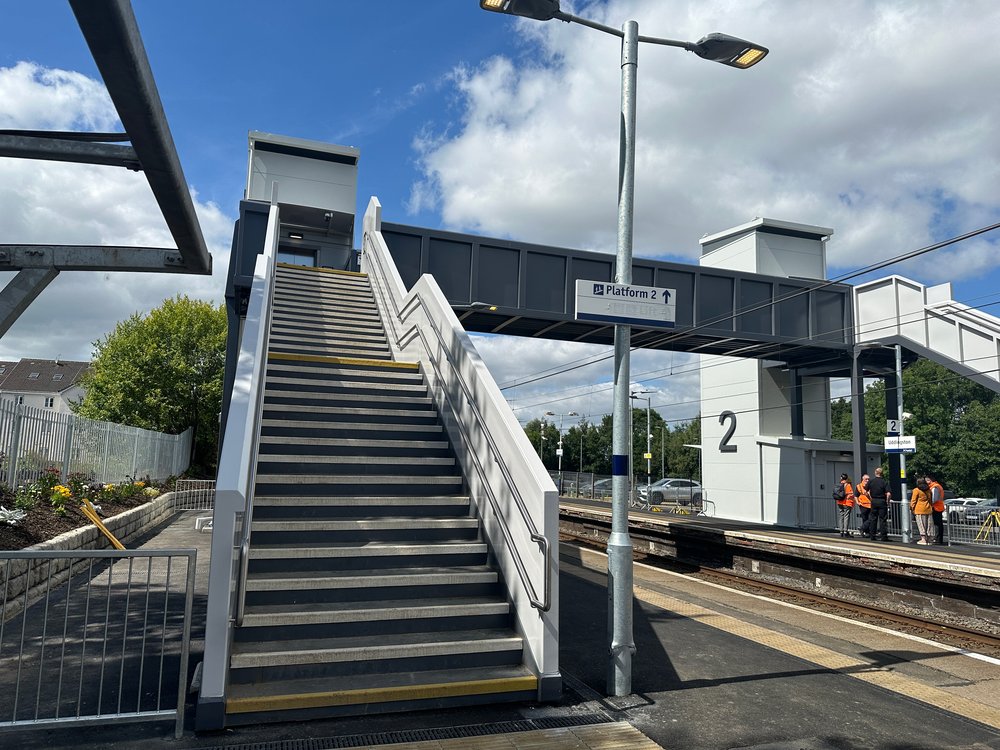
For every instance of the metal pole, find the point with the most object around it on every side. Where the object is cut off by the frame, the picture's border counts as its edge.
(904, 508)
(649, 448)
(663, 463)
(621, 644)
(559, 454)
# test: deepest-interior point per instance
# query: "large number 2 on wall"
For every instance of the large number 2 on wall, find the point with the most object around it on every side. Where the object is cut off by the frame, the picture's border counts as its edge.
(724, 445)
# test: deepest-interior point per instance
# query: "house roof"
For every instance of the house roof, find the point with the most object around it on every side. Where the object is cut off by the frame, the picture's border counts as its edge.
(40, 375)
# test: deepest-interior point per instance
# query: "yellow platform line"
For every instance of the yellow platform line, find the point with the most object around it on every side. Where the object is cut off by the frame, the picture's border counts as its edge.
(321, 270)
(273, 356)
(846, 664)
(380, 695)
(611, 736)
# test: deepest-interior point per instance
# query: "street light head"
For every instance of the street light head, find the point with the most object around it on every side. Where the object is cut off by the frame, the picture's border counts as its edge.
(728, 50)
(540, 10)
(550, 414)
(572, 414)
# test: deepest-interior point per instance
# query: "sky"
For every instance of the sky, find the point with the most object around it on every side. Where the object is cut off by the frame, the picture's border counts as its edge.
(874, 117)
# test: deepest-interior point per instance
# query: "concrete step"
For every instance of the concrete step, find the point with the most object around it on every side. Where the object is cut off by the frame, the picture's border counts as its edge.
(291, 615)
(326, 332)
(373, 525)
(371, 415)
(277, 426)
(344, 349)
(328, 398)
(327, 697)
(299, 507)
(314, 657)
(301, 294)
(318, 373)
(266, 558)
(313, 319)
(279, 384)
(419, 469)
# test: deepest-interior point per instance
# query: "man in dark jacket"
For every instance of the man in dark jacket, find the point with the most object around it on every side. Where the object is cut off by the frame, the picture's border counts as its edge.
(878, 490)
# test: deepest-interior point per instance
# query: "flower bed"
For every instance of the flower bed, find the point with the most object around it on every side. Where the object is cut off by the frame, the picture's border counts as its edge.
(44, 508)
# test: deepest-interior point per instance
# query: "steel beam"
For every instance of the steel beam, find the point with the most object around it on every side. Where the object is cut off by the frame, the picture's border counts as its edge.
(111, 32)
(20, 292)
(58, 149)
(92, 258)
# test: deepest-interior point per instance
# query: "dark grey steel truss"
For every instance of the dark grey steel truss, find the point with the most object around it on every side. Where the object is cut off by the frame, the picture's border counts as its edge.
(111, 32)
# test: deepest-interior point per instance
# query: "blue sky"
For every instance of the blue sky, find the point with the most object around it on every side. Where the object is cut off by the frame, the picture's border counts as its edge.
(874, 117)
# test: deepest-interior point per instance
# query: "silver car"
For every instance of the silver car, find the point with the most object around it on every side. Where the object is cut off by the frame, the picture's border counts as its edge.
(673, 490)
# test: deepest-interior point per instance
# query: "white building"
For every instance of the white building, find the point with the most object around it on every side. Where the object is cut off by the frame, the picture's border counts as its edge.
(42, 383)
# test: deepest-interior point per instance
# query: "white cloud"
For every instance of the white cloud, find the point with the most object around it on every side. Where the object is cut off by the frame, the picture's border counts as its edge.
(57, 203)
(869, 117)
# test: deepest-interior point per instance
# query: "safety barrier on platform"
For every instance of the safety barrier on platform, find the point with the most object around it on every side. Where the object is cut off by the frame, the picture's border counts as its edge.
(90, 637)
(981, 528)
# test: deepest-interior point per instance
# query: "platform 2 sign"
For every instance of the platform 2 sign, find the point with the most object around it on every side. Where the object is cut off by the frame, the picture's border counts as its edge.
(901, 444)
(626, 304)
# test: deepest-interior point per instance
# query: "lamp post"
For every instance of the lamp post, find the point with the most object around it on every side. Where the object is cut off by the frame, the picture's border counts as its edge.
(559, 450)
(719, 48)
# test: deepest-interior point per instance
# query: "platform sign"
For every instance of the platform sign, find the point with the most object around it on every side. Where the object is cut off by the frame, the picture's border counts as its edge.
(647, 455)
(892, 426)
(626, 303)
(901, 444)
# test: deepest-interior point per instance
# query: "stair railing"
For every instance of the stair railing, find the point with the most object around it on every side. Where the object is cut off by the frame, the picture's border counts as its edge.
(236, 477)
(498, 460)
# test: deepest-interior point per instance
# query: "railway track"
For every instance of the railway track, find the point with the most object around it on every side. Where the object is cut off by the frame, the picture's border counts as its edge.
(956, 634)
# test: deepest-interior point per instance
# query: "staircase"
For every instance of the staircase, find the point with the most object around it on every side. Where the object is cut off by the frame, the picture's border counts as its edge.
(369, 587)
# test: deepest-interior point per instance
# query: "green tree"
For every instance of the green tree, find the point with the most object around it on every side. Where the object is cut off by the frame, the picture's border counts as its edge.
(163, 371)
(972, 459)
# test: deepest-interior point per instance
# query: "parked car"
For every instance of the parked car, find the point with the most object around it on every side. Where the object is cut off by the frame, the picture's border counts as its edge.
(673, 490)
(976, 514)
(602, 489)
(956, 508)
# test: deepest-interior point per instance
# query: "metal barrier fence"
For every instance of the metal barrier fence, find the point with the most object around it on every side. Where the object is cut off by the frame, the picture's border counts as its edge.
(94, 637)
(33, 440)
(820, 513)
(194, 494)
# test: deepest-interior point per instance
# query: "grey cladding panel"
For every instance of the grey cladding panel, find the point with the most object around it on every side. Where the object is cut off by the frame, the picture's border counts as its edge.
(793, 313)
(683, 283)
(496, 278)
(590, 270)
(715, 302)
(406, 252)
(829, 316)
(642, 275)
(545, 282)
(755, 299)
(451, 265)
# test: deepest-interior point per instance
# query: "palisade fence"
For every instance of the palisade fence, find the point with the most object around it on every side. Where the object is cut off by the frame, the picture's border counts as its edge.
(33, 440)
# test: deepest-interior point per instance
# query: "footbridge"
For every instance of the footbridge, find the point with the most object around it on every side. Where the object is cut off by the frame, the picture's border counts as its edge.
(384, 535)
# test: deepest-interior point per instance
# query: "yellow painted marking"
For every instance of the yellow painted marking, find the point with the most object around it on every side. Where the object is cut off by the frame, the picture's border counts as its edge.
(611, 736)
(380, 695)
(321, 270)
(274, 356)
(846, 664)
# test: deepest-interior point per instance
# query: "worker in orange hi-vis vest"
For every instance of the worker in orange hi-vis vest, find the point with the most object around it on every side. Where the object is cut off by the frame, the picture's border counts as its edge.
(844, 495)
(864, 505)
(937, 508)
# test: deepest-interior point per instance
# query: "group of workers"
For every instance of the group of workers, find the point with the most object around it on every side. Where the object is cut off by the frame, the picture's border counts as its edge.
(872, 496)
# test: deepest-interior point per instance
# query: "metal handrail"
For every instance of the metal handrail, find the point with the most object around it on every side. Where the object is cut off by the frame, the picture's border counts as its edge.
(258, 384)
(545, 602)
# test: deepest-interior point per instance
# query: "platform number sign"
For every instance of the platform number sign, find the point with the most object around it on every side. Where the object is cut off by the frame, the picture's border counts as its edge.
(724, 445)
(892, 426)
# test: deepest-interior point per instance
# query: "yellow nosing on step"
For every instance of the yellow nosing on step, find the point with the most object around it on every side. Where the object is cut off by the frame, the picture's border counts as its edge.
(321, 270)
(380, 695)
(342, 360)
